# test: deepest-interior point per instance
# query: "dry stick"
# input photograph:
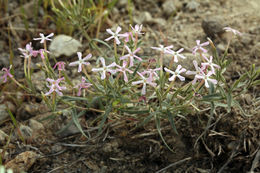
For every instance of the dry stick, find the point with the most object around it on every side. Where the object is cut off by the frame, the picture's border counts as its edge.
(174, 164)
(233, 154)
(255, 161)
(202, 134)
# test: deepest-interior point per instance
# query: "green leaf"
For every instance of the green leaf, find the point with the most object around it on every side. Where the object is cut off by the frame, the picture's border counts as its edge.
(229, 100)
(146, 120)
(255, 83)
(158, 126)
(235, 85)
(71, 98)
(136, 70)
(170, 117)
(108, 110)
(212, 97)
(102, 42)
(76, 121)
(134, 111)
(240, 108)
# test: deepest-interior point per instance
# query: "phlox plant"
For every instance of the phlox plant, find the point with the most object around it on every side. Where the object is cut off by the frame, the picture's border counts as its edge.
(127, 84)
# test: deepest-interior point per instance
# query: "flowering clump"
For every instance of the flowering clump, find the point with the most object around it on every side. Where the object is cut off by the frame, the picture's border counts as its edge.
(131, 83)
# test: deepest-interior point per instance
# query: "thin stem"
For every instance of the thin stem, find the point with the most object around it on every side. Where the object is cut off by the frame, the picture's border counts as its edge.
(25, 67)
(115, 51)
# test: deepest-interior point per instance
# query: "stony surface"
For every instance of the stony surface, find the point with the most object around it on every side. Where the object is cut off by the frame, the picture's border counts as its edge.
(64, 45)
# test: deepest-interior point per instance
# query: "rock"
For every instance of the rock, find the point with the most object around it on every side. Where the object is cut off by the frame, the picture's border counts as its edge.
(192, 6)
(111, 146)
(122, 4)
(3, 110)
(220, 47)
(64, 45)
(3, 137)
(27, 9)
(5, 153)
(22, 162)
(26, 111)
(213, 26)
(39, 80)
(169, 8)
(2, 45)
(35, 125)
(71, 130)
(26, 131)
(245, 39)
(4, 60)
(185, 63)
(159, 21)
(143, 17)
(255, 51)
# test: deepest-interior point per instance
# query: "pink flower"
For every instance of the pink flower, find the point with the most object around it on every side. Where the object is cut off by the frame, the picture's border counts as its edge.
(43, 38)
(144, 81)
(177, 54)
(28, 51)
(209, 63)
(115, 35)
(131, 55)
(127, 36)
(137, 30)
(6, 73)
(177, 73)
(163, 49)
(197, 72)
(123, 69)
(199, 47)
(206, 78)
(235, 32)
(83, 84)
(152, 73)
(105, 68)
(81, 61)
(61, 65)
(54, 87)
(42, 52)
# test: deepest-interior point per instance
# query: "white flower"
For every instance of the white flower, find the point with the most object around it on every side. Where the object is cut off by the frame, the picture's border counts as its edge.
(177, 54)
(206, 78)
(197, 72)
(163, 49)
(209, 63)
(43, 38)
(144, 81)
(81, 61)
(123, 69)
(137, 30)
(105, 68)
(235, 32)
(131, 55)
(177, 73)
(115, 35)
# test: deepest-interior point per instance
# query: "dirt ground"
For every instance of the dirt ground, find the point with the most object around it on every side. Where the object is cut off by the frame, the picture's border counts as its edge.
(231, 144)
